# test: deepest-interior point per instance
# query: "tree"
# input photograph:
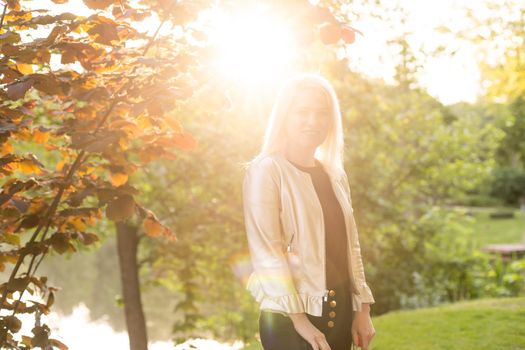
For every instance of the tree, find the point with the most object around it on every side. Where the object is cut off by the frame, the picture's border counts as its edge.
(100, 117)
(103, 123)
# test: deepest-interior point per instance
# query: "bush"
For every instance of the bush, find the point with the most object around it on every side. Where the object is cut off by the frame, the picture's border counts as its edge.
(480, 200)
(509, 184)
(497, 278)
(435, 261)
(502, 214)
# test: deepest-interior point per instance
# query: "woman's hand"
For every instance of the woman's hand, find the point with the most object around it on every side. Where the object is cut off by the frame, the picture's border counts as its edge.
(309, 332)
(362, 328)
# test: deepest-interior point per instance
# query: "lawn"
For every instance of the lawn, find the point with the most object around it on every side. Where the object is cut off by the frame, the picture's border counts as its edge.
(488, 230)
(476, 324)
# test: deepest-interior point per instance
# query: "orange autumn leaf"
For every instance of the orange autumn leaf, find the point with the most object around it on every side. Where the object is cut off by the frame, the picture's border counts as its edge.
(40, 136)
(86, 170)
(123, 143)
(148, 138)
(174, 124)
(12, 239)
(23, 134)
(6, 148)
(24, 68)
(185, 141)
(10, 167)
(87, 112)
(169, 234)
(118, 179)
(98, 4)
(330, 33)
(152, 227)
(60, 165)
(143, 122)
(78, 223)
(126, 125)
(169, 155)
(10, 259)
(29, 167)
(147, 156)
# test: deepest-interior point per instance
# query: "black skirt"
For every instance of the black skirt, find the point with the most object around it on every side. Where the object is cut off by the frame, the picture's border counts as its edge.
(278, 333)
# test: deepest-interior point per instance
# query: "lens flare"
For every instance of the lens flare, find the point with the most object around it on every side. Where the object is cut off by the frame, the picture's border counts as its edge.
(252, 45)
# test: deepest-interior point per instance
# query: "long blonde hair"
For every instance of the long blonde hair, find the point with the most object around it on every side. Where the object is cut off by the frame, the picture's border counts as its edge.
(330, 152)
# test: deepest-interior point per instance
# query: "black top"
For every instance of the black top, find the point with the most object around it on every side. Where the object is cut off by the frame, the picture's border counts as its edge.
(335, 228)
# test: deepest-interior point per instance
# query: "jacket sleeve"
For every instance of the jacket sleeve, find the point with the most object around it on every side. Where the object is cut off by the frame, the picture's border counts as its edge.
(271, 280)
(365, 294)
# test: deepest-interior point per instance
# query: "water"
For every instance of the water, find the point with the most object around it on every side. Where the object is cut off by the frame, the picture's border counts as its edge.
(79, 332)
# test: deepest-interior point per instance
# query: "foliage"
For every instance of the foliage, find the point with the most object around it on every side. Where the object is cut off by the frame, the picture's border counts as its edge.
(502, 279)
(205, 208)
(406, 157)
(101, 113)
(509, 184)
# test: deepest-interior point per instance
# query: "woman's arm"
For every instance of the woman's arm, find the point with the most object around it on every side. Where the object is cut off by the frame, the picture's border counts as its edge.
(261, 202)
(362, 327)
(365, 294)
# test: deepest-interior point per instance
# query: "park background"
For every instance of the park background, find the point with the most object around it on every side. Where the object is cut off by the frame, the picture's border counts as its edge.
(433, 106)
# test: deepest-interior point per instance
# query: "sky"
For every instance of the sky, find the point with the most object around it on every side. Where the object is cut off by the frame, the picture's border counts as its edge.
(450, 79)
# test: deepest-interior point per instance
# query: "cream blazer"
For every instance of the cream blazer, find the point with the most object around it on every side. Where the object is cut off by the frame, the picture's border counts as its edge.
(285, 230)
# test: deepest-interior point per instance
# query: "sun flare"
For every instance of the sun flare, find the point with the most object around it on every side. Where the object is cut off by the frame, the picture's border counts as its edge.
(252, 45)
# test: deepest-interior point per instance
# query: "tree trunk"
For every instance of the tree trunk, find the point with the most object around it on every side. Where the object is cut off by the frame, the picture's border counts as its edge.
(127, 243)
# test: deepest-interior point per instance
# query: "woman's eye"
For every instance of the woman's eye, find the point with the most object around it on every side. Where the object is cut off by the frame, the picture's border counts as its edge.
(308, 113)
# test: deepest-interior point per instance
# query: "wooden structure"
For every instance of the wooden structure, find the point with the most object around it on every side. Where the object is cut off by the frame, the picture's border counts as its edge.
(508, 251)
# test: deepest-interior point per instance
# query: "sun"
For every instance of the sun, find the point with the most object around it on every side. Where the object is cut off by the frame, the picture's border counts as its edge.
(252, 45)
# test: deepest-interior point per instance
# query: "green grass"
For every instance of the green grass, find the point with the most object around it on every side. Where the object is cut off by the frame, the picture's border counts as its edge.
(476, 324)
(489, 231)
(470, 325)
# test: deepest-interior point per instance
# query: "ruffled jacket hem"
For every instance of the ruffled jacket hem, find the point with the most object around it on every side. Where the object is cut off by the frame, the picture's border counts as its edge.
(302, 302)
(289, 303)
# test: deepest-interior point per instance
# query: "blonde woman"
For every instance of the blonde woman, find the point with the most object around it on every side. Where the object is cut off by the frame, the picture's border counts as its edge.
(308, 274)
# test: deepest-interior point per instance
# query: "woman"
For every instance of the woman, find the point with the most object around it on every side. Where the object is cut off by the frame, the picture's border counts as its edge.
(308, 274)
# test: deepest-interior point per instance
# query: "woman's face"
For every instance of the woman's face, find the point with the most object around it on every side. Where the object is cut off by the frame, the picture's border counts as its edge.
(309, 119)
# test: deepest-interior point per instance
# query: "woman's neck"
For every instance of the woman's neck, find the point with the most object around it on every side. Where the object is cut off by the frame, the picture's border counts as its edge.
(303, 156)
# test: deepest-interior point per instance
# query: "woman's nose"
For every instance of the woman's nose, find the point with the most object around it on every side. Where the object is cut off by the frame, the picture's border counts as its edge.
(312, 119)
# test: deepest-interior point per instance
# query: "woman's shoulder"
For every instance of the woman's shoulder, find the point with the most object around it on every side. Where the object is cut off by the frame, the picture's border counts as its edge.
(264, 162)
(262, 172)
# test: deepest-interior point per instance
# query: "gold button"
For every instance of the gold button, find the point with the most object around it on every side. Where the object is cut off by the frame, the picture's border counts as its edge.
(331, 292)
(331, 324)
(331, 314)
(333, 303)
